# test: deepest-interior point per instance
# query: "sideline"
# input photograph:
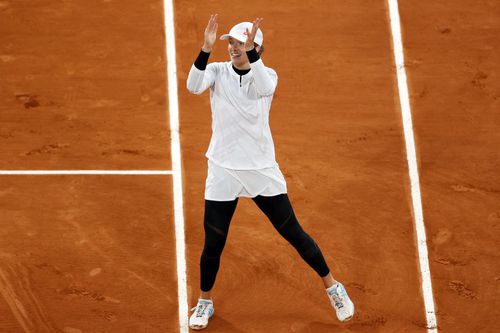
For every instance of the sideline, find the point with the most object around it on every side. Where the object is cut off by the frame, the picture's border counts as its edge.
(173, 108)
(412, 168)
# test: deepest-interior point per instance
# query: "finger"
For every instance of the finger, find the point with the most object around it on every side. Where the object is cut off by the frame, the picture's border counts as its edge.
(255, 25)
(213, 18)
(250, 35)
(213, 21)
(254, 28)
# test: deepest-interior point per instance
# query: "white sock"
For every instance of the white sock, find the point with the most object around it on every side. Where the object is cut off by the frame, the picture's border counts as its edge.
(205, 300)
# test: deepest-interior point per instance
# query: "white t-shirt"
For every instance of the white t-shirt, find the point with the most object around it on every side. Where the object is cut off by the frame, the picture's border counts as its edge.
(241, 137)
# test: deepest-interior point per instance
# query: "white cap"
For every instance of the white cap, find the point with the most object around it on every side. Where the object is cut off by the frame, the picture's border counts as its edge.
(238, 32)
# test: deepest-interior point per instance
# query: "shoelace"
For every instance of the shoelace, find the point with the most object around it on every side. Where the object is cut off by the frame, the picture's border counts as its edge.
(337, 300)
(200, 309)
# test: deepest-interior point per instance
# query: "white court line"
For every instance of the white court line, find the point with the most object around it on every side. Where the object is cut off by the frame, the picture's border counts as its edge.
(83, 172)
(412, 168)
(173, 105)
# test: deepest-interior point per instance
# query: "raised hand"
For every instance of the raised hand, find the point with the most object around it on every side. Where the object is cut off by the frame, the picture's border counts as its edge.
(251, 34)
(210, 33)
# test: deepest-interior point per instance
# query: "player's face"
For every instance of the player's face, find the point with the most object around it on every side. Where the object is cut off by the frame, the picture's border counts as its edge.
(237, 53)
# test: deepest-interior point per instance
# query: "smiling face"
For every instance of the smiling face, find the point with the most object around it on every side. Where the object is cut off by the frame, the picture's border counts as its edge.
(238, 54)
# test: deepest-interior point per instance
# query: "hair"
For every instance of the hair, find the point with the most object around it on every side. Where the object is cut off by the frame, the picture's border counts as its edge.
(261, 50)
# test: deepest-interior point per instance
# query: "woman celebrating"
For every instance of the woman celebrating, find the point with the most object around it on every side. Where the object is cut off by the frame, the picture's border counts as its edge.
(241, 160)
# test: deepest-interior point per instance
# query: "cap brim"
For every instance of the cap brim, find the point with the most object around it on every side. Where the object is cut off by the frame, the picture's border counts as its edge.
(226, 36)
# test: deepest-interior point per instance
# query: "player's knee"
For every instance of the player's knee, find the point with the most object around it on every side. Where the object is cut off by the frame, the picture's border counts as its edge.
(301, 241)
(293, 232)
(213, 247)
(309, 248)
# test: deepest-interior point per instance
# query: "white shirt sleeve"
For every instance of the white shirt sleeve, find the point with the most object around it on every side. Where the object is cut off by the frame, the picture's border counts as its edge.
(265, 78)
(198, 81)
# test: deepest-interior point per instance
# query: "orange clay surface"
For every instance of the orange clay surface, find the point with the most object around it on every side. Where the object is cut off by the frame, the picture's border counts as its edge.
(453, 69)
(83, 86)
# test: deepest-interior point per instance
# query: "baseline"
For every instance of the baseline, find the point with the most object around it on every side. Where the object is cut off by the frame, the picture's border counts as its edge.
(83, 172)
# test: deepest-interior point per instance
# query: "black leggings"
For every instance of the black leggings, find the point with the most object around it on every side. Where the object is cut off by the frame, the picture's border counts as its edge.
(278, 209)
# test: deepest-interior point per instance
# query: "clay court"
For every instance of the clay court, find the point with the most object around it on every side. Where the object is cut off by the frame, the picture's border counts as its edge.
(90, 203)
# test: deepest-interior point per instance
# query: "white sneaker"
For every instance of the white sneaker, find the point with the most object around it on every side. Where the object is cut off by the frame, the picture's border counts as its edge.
(203, 311)
(341, 302)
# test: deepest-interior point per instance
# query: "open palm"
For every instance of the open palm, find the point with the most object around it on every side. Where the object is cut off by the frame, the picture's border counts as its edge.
(211, 32)
(251, 34)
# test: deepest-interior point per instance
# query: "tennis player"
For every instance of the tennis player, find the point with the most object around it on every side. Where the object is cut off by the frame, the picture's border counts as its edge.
(241, 160)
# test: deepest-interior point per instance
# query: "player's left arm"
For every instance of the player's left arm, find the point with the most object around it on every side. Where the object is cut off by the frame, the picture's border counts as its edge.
(265, 79)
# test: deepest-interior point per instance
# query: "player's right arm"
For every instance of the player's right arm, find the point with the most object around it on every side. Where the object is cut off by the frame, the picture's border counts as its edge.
(202, 76)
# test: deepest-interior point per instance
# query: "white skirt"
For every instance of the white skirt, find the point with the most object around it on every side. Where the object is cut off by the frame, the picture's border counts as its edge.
(226, 184)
